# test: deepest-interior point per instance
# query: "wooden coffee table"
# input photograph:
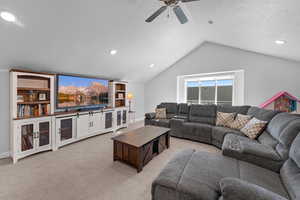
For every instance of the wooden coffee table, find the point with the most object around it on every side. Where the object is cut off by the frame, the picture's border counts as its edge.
(139, 146)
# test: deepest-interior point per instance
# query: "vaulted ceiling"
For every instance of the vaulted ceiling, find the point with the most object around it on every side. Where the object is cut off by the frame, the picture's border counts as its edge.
(76, 36)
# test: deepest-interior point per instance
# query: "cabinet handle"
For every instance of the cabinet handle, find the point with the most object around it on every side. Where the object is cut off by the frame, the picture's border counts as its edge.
(59, 131)
(37, 134)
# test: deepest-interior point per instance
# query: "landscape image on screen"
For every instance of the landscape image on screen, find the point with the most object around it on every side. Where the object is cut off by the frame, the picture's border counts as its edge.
(79, 91)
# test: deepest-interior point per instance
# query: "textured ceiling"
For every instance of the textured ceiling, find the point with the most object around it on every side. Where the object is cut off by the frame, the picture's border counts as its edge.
(75, 36)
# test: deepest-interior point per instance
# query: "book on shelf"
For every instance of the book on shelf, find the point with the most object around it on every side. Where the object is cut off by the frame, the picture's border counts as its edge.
(33, 110)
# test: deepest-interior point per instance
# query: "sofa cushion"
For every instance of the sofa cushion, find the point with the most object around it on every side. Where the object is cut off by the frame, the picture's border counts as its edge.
(254, 128)
(183, 109)
(160, 113)
(251, 151)
(197, 131)
(170, 107)
(203, 114)
(224, 119)
(266, 139)
(262, 114)
(218, 132)
(233, 109)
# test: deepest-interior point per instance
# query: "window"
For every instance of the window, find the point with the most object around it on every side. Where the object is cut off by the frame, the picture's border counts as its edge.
(210, 90)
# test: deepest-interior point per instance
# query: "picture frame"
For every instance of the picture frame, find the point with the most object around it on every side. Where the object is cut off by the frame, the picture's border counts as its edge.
(42, 96)
(120, 95)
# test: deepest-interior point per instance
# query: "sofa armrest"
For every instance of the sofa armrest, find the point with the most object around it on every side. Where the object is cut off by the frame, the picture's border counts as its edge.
(245, 149)
(150, 115)
(237, 189)
(248, 146)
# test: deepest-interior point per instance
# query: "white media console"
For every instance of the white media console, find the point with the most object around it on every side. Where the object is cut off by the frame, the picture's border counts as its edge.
(46, 129)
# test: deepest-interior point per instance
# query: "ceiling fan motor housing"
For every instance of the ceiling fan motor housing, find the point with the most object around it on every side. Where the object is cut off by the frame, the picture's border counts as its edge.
(170, 2)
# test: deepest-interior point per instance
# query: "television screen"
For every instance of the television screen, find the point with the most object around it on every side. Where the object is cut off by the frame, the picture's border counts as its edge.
(74, 91)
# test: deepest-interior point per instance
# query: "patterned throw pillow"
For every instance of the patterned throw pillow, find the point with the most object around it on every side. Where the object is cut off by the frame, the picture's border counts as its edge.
(240, 121)
(160, 113)
(224, 119)
(253, 128)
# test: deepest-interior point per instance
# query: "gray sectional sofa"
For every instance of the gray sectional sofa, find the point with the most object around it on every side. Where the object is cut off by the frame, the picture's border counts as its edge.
(194, 175)
(266, 168)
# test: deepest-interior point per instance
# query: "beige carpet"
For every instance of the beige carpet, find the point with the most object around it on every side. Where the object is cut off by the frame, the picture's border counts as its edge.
(84, 171)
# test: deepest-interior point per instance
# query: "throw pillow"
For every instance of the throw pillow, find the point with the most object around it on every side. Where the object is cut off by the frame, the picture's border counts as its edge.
(160, 113)
(224, 119)
(240, 121)
(253, 128)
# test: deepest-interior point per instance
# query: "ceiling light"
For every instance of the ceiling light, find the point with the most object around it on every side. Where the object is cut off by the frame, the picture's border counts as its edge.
(280, 42)
(113, 52)
(7, 16)
(151, 66)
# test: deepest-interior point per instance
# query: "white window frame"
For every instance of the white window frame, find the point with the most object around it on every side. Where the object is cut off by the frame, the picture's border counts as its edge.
(238, 84)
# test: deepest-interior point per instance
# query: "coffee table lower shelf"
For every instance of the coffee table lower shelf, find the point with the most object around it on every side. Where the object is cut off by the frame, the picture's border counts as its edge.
(138, 157)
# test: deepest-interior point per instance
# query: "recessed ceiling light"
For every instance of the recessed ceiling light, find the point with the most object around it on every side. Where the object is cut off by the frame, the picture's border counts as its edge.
(280, 42)
(151, 66)
(113, 52)
(7, 16)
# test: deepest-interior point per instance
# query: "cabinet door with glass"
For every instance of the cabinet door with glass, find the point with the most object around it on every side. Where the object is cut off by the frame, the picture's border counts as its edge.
(119, 118)
(65, 129)
(43, 134)
(26, 137)
(108, 120)
(124, 117)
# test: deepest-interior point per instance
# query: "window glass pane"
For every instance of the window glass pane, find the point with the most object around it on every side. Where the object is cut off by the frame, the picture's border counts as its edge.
(224, 82)
(224, 96)
(208, 90)
(192, 84)
(208, 83)
(193, 92)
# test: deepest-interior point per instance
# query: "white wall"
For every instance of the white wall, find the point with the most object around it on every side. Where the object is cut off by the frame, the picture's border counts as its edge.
(137, 105)
(264, 75)
(4, 113)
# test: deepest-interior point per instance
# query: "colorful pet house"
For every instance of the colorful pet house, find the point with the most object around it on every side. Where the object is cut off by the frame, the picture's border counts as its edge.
(282, 101)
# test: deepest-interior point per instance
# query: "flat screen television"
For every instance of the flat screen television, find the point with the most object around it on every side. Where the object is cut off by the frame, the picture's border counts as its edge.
(81, 92)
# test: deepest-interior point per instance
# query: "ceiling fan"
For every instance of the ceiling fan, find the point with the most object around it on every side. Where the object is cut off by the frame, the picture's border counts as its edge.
(171, 4)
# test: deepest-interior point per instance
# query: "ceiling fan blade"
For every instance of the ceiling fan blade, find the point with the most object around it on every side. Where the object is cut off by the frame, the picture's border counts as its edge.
(184, 1)
(156, 14)
(180, 14)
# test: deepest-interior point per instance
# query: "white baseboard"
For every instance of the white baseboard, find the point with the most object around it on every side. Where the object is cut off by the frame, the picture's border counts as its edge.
(4, 155)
